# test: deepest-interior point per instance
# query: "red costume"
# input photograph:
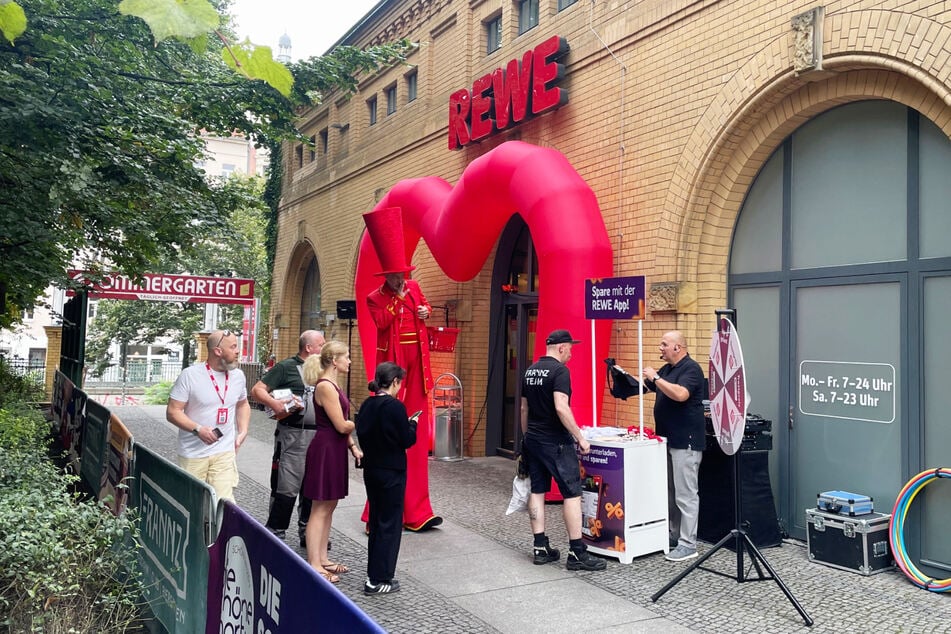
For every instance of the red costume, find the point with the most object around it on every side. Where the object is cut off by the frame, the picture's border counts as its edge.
(402, 338)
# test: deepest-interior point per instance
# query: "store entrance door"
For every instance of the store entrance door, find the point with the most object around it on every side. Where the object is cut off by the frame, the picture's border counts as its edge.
(845, 428)
(514, 310)
(520, 319)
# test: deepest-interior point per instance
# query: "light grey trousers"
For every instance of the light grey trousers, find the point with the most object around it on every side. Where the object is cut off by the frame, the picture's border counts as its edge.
(683, 495)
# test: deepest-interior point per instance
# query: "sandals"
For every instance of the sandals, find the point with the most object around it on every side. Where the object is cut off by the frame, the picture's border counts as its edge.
(335, 568)
(329, 576)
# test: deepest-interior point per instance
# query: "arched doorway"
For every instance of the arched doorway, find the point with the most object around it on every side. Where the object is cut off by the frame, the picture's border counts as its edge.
(840, 270)
(514, 303)
(311, 317)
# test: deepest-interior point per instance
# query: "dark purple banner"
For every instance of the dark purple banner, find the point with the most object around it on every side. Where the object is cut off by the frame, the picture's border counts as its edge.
(256, 584)
(602, 494)
(615, 298)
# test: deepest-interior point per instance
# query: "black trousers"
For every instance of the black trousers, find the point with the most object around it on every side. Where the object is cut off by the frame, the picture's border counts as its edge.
(385, 491)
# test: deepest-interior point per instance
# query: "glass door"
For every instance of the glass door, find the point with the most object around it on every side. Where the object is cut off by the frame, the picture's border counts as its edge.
(846, 379)
(514, 314)
(520, 320)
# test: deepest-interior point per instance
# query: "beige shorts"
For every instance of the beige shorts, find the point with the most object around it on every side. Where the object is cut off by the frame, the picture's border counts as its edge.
(220, 471)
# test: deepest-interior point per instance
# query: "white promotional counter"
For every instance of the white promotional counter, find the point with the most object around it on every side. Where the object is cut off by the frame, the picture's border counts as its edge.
(624, 497)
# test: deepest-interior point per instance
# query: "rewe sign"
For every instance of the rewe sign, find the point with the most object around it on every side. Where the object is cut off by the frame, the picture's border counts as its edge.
(504, 98)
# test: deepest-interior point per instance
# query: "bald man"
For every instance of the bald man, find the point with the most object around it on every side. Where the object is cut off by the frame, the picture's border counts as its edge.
(293, 433)
(678, 416)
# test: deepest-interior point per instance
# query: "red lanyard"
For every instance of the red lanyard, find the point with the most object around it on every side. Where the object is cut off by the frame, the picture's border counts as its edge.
(215, 383)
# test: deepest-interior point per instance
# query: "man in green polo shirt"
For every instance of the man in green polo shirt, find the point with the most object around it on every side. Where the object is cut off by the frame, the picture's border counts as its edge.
(292, 435)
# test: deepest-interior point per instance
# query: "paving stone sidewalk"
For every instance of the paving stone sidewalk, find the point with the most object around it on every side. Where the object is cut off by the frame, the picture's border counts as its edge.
(474, 574)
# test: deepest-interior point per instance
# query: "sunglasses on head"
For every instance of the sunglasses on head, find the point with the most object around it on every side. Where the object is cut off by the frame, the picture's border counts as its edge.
(224, 333)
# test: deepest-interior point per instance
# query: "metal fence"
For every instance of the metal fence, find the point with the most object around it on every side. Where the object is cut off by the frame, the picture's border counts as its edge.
(23, 367)
(135, 373)
(142, 373)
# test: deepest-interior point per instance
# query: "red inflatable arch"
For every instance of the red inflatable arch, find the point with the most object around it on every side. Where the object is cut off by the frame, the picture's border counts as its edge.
(462, 224)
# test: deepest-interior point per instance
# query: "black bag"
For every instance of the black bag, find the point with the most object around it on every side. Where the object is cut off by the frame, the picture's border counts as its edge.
(521, 469)
(621, 384)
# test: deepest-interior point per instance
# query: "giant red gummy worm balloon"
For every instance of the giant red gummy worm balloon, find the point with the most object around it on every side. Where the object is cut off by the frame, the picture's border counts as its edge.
(461, 225)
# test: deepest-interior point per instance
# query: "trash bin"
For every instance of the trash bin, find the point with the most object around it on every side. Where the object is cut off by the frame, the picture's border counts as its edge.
(447, 405)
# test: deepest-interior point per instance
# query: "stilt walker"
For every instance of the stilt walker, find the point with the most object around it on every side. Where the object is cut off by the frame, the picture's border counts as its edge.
(399, 309)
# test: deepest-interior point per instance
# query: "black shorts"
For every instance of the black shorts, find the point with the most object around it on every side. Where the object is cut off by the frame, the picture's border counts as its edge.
(553, 460)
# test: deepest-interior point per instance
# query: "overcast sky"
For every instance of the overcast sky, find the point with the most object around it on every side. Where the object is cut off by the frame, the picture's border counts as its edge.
(313, 25)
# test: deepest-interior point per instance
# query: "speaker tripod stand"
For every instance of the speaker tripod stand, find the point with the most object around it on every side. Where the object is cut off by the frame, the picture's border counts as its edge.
(742, 542)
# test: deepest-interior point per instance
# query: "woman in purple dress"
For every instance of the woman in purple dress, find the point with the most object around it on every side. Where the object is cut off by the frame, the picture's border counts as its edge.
(326, 478)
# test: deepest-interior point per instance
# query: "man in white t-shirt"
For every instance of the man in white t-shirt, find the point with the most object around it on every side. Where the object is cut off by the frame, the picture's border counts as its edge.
(209, 405)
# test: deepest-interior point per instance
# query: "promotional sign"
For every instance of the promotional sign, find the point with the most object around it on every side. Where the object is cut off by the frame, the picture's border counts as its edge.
(602, 493)
(257, 584)
(728, 396)
(95, 438)
(112, 493)
(615, 298)
(176, 515)
(249, 330)
(162, 287)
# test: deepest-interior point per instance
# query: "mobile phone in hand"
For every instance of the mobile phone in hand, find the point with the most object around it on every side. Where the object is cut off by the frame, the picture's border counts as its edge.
(218, 432)
(415, 417)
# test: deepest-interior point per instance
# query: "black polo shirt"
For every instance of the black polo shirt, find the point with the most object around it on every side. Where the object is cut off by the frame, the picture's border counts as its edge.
(681, 423)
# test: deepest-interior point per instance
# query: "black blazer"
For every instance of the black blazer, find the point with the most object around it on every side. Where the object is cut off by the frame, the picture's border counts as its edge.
(385, 433)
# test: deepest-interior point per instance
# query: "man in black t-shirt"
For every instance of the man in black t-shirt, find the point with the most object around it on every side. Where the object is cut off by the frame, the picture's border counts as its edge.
(291, 436)
(678, 416)
(548, 450)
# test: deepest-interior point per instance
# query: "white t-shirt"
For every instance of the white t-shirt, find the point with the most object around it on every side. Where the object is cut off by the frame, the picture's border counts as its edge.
(195, 388)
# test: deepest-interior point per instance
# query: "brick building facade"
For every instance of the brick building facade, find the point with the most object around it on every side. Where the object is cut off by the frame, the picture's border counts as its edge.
(676, 110)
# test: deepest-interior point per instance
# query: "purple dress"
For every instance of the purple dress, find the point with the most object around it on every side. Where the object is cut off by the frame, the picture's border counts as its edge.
(325, 471)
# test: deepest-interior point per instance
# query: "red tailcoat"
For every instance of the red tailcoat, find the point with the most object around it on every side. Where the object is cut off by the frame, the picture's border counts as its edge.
(385, 304)
(388, 309)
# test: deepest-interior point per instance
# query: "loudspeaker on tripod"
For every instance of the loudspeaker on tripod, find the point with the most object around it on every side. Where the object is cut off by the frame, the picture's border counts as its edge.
(346, 309)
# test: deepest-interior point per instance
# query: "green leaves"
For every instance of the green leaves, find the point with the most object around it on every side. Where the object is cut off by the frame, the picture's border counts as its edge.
(12, 20)
(257, 62)
(100, 121)
(183, 19)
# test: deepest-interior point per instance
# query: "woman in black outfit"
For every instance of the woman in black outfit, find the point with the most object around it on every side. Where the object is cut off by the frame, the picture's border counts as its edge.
(385, 433)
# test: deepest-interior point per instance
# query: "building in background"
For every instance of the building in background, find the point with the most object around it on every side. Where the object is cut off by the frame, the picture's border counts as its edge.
(233, 155)
(25, 345)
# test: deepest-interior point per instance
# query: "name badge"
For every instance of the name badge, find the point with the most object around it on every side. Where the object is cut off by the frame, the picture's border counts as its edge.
(222, 415)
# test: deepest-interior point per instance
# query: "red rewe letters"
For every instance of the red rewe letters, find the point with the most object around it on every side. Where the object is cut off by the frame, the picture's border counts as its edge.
(512, 90)
(501, 99)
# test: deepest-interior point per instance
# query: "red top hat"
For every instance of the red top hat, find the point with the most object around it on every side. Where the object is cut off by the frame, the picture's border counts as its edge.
(385, 227)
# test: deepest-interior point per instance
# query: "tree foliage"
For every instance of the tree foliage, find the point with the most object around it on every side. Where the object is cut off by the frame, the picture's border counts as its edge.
(100, 147)
(235, 249)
